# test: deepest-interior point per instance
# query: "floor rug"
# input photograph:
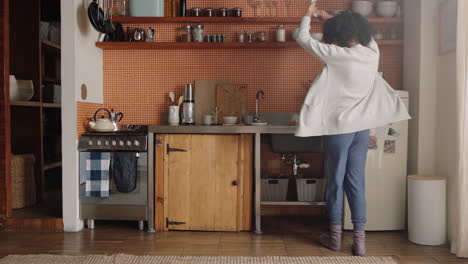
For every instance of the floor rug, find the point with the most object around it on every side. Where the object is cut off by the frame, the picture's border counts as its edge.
(130, 259)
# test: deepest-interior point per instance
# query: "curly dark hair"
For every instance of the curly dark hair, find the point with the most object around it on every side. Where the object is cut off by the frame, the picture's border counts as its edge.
(346, 27)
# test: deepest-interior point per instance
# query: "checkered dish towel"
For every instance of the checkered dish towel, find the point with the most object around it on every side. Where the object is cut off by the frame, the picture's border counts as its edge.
(97, 174)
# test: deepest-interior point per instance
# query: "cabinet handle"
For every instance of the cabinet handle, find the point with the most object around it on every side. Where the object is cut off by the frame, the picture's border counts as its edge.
(235, 183)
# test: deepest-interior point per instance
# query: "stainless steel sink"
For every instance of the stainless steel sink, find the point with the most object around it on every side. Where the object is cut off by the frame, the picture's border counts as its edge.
(288, 143)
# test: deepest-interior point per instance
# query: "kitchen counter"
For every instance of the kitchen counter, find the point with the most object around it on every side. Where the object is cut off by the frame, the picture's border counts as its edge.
(222, 129)
(256, 131)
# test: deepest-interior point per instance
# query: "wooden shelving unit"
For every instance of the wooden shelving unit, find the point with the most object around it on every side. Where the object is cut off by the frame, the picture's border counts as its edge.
(232, 20)
(225, 45)
(36, 125)
(50, 105)
(25, 103)
(52, 165)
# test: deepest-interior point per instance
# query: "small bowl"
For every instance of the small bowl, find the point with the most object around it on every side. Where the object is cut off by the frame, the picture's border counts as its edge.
(386, 9)
(317, 36)
(230, 120)
(362, 7)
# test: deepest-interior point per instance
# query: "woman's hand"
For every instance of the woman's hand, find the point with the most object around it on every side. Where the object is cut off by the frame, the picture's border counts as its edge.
(324, 14)
(312, 10)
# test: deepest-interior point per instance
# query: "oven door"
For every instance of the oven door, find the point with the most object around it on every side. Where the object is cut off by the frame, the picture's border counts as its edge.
(118, 206)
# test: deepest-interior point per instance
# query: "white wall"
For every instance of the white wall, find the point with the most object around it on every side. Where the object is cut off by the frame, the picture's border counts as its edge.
(431, 80)
(81, 63)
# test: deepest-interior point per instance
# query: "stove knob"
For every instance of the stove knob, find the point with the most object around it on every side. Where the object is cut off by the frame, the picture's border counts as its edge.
(90, 143)
(129, 143)
(121, 143)
(99, 142)
(114, 143)
(107, 143)
(137, 143)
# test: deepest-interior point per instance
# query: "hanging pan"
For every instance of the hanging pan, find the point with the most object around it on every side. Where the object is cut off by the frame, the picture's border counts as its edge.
(96, 16)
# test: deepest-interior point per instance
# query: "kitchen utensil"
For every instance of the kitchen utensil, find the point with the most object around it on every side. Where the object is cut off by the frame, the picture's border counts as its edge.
(181, 100)
(231, 100)
(236, 12)
(139, 35)
(198, 33)
(185, 34)
(208, 120)
(172, 97)
(195, 12)
(174, 115)
(208, 12)
(150, 35)
(230, 120)
(103, 124)
(188, 113)
(222, 12)
(362, 7)
(182, 8)
(248, 118)
(386, 9)
(205, 96)
(115, 118)
(96, 16)
(281, 34)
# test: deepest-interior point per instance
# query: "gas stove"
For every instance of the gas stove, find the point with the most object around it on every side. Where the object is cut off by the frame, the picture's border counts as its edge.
(128, 138)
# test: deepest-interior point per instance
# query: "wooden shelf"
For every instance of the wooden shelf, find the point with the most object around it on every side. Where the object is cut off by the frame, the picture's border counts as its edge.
(52, 165)
(232, 20)
(51, 80)
(51, 105)
(225, 45)
(25, 103)
(51, 45)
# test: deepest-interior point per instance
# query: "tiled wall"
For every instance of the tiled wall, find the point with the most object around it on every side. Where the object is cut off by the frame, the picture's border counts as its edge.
(137, 82)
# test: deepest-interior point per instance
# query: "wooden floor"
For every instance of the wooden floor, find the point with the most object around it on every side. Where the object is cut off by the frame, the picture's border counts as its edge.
(282, 236)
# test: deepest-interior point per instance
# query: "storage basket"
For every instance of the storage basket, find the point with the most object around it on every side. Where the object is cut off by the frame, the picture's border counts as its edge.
(274, 189)
(23, 191)
(310, 190)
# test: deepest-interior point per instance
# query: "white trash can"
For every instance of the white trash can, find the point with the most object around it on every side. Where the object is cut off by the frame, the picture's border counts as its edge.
(427, 209)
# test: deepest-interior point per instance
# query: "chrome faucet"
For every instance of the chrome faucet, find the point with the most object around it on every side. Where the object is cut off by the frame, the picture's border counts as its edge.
(260, 94)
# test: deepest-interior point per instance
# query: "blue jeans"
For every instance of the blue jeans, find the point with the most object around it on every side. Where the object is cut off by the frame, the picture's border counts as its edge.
(345, 163)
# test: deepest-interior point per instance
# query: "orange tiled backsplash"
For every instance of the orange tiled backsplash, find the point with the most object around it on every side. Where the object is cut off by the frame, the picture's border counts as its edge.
(137, 82)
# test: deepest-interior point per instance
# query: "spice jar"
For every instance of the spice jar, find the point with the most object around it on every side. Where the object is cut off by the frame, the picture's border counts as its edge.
(198, 33)
(208, 12)
(236, 12)
(281, 34)
(195, 12)
(185, 34)
(223, 12)
(260, 36)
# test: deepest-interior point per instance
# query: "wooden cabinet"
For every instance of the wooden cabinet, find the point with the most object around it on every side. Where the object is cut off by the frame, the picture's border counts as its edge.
(203, 182)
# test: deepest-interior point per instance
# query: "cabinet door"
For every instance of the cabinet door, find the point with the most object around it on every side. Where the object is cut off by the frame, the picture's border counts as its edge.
(178, 179)
(202, 182)
(226, 196)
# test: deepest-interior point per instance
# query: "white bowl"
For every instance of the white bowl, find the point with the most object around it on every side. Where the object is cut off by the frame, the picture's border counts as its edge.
(230, 120)
(386, 9)
(362, 7)
(317, 36)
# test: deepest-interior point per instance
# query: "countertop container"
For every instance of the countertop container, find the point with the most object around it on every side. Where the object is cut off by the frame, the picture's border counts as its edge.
(147, 8)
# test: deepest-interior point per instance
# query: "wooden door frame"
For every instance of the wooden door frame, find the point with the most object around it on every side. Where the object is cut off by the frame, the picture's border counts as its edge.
(5, 141)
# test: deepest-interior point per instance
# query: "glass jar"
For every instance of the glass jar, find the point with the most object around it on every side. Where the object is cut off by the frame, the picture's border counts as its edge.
(198, 33)
(208, 12)
(236, 12)
(185, 34)
(195, 12)
(281, 34)
(223, 12)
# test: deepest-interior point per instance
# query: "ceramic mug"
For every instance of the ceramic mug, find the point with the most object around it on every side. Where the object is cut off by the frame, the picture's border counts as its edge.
(208, 120)
(174, 118)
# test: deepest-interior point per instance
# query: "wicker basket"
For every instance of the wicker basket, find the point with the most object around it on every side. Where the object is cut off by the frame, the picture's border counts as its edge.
(23, 192)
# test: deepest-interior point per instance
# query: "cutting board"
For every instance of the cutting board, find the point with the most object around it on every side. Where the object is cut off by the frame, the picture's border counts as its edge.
(231, 100)
(205, 98)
